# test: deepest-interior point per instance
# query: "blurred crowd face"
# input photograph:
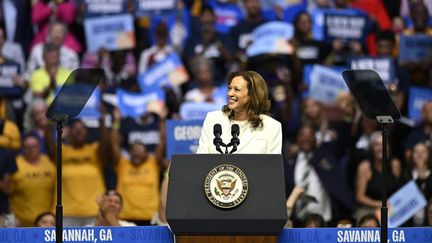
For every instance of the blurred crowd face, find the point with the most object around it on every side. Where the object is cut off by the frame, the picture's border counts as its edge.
(238, 94)
(138, 153)
(429, 213)
(384, 48)
(161, 34)
(31, 148)
(2, 37)
(377, 147)
(369, 223)
(52, 58)
(420, 155)
(253, 7)
(57, 34)
(47, 220)
(304, 24)
(420, 17)
(78, 133)
(427, 112)
(306, 139)
(38, 114)
(114, 202)
(341, 3)
(203, 75)
(312, 109)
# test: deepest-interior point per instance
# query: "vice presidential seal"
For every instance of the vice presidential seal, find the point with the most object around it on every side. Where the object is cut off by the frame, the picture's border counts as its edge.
(226, 186)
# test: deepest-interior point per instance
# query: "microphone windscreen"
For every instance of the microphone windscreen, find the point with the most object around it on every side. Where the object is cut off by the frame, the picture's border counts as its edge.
(217, 129)
(235, 129)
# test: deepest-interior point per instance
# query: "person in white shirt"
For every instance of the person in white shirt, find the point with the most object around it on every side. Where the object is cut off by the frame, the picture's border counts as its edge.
(248, 107)
(56, 34)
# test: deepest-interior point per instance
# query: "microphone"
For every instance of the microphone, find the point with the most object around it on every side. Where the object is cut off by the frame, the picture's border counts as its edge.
(235, 132)
(217, 141)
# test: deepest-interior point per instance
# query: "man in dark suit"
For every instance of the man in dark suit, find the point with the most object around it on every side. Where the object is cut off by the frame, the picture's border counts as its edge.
(318, 171)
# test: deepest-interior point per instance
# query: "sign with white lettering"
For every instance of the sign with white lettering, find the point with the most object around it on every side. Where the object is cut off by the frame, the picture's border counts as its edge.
(162, 234)
(154, 7)
(182, 136)
(325, 83)
(114, 32)
(169, 71)
(404, 203)
(271, 38)
(197, 111)
(94, 8)
(135, 104)
(345, 24)
(417, 97)
(7, 71)
(415, 48)
(384, 66)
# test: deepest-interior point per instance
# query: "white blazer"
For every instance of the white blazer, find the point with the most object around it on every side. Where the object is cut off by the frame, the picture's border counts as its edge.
(265, 140)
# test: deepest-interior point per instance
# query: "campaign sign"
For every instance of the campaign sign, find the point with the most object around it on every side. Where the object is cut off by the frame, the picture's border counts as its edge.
(111, 32)
(404, 203)
(7, 71)
(182, 136)
(135, 104)
(227, 16)
(91, 108)
(169, 71)
(94, 8)
(197, 111)
(325, 84)
(345, 24)
(415, 48)
(154, 7)
(417, 97)
(384, 66)
(271, 38)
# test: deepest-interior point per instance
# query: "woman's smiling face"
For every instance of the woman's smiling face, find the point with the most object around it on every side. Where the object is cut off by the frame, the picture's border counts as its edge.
(238, 94)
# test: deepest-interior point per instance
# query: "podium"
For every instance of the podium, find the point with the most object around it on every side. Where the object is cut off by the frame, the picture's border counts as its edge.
(196, 214)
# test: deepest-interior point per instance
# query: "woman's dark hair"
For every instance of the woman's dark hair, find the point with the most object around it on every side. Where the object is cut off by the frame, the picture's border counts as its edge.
(258, 93)
(40, 216)
(316, 218)
(368, 217)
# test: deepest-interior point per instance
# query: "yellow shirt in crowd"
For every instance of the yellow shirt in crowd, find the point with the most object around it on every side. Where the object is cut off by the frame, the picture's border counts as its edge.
(40, 80)
(139, 186)
(82, 180)
(32, 189)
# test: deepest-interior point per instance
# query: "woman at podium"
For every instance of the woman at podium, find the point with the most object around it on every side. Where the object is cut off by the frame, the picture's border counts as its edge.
(244, 122)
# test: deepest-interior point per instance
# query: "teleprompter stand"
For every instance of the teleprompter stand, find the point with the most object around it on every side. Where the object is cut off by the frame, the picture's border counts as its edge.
(376, 104)
(68, 103)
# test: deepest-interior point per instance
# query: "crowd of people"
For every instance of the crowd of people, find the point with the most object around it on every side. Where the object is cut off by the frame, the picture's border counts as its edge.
(115, 171)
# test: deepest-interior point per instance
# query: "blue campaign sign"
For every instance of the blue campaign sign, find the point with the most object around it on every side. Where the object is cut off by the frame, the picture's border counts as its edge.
(8, 70)
(135, 104)
(415, 48)
(345, 24)
(154, 7)
(91, 108)
(324, 83)
(197, 111)
(114, 32)
(162, 234)
(227, 16)
(94, 8)
(417, 97)
(169, 71)
(182, 136)
(405, 203)
(271, 38)
(384, 66)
